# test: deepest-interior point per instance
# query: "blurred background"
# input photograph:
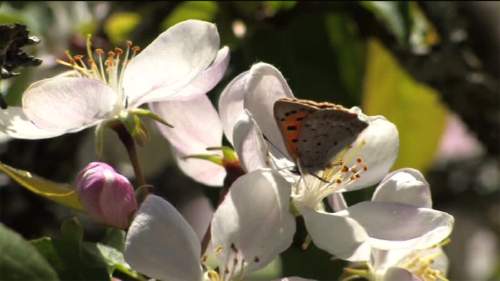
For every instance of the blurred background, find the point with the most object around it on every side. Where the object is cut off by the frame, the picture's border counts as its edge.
(431, 68)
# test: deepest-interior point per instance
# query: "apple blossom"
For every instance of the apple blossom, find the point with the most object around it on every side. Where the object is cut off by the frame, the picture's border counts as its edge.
(251, 227)
(182, 62)
(398, 222)
(247, 102)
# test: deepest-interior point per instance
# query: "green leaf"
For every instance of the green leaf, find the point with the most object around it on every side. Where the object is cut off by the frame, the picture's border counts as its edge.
(415, 108)
(119, 26)
(20, 260)
(71, 257)
(115, 238)
(393, 14)
(201, 10)
(110, 258)
(63, 194)
(349, 51)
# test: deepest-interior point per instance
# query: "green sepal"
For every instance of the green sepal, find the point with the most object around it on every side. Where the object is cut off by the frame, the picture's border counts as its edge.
(217, 159)
(229, 155)
(134, 126)
(149, 114)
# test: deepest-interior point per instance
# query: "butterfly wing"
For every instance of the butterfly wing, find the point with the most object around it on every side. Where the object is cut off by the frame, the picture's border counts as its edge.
(289, 115)
(324, 134)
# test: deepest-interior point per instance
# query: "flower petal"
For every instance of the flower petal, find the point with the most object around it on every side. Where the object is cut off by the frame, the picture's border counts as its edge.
(265, 85)
(196, 127)
(406, 186)
(16, 124)
(231, 104)
(161, 244)
(337, 234)
(67, 103)
(250, 145)
(174, 59)
(378, 146)
(253, 222)
(396, 226)
(399, 274)
(337, 201)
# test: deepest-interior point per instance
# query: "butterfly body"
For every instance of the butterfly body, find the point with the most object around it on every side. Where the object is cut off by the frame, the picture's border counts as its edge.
(314, 133)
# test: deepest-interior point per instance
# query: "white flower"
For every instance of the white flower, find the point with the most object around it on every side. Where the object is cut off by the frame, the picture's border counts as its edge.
(398, 218)
(183, 62)
(408, 265)
(198, 126)
(251, 227)
(247, 105)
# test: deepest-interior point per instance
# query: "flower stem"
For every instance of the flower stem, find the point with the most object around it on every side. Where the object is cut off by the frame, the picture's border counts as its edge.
(129, 144)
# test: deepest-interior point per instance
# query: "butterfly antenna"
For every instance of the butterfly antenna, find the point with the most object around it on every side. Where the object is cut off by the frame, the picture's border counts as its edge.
(275, 146)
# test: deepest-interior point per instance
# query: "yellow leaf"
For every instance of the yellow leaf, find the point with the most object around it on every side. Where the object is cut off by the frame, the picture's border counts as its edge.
(414, 107)
(200, 10)
(61, 193)
(119, 26)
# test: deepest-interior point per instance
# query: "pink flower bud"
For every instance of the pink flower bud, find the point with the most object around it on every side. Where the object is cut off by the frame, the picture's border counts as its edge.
(107, 196)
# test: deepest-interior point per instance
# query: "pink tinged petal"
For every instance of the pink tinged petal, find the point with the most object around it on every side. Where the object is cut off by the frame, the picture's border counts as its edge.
(196, 127)
(397, 226)
(266, 85)
(172, 61)
(337, 234)
(250, 145)
(231, 104)
(378, 146)
(337, 201)
(161, 244)
(406, 186)
(209, 78)
(107, 196)
(255, 218)
(399, 274)
(16, 124)
(67, 103)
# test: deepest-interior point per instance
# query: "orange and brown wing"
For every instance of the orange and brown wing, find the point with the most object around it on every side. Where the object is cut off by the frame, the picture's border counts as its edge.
(289, 115)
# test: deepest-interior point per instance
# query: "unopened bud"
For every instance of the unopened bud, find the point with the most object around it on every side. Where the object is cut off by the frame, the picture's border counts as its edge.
(107, 196)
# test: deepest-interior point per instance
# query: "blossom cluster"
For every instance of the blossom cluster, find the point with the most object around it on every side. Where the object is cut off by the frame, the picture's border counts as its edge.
(396, 235)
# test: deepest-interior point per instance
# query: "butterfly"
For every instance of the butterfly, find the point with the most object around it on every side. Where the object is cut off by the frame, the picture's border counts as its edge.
(315, 132)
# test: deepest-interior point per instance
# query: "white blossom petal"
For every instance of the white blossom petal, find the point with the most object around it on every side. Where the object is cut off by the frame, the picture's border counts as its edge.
(396, 226)
(68, 103)
(250, 145)
(161, 244)
(196, 127)
(266, 85)
(231, 104)
(405, 186)
(337, 234)
(378, 146)
(16, 124)
(399, 274)
(209, 78)
(173, 60)
(255, 218)
(337, 201)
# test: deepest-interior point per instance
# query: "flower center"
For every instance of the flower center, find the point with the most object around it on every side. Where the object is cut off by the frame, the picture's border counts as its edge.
(420, 264)
(234, 264)
(345, 169)
(108, 68)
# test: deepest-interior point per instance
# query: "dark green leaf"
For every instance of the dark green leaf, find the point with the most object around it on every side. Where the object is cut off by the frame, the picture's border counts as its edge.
(115, 238)
(20, 260)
